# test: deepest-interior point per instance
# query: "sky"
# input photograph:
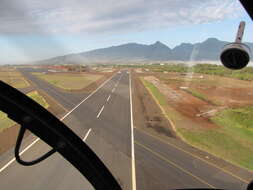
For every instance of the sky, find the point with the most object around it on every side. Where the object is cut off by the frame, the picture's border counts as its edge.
(32, 30)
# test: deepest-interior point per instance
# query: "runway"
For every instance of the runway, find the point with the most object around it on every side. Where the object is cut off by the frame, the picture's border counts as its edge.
(138, 160)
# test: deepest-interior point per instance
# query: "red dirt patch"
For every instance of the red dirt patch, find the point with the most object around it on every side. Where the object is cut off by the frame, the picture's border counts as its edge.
(225, 91)
(184, 103)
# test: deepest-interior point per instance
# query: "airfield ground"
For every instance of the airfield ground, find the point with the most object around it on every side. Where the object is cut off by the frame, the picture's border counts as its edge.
(143, 135)
(5, 122)
(212, 113)
(69, 81)
(9, 129)
(12, 77)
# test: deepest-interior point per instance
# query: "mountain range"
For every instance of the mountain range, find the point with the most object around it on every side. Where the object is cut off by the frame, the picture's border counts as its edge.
(208, 50)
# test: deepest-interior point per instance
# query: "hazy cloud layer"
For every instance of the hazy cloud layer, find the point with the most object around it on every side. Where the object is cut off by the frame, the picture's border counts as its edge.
(96, 16)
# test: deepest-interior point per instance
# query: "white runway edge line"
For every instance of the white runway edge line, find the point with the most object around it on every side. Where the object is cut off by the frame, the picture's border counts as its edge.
(132, 136)
(29, 146)
(87, 97)
(100, 111)
(13, 159)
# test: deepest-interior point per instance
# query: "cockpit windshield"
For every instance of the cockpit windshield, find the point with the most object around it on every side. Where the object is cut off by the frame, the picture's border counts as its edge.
(160, 91)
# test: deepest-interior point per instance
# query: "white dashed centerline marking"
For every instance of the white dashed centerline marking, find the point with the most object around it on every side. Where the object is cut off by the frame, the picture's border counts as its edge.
(100, 111)
(108, 98)
(86, 135)
(36, 140)
(116, 84)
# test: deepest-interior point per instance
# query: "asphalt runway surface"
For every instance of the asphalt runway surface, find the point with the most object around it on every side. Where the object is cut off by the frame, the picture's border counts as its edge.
(136, 159)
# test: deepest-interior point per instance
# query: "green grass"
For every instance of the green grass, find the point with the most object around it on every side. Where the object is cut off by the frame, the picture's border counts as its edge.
(239, 117)
(196, 94)
(69, 81)
(38, 98)
(159, 96)
(161, 100)
(238, 121)
(5, 122)
(232, 141)
(201, 96)
(243, 74)
(223, 143)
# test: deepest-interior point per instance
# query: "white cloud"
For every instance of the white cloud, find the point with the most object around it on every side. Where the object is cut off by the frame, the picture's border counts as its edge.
(98, 16)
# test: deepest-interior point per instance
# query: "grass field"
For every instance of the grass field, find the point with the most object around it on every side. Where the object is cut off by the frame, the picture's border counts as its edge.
(232, 141)
(14, 79)
(222, 143)
(159, 96)
(38, 98)
(69, 81)
(5, 122)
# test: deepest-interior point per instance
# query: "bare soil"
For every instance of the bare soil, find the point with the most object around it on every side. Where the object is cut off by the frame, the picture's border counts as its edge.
(184, 103)
(231, 97)
(229, 93)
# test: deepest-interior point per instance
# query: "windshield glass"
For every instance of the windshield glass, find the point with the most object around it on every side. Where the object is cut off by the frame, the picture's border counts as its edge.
(140, 82)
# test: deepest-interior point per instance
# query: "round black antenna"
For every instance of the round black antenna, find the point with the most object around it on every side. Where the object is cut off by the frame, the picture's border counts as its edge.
(236, 55)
